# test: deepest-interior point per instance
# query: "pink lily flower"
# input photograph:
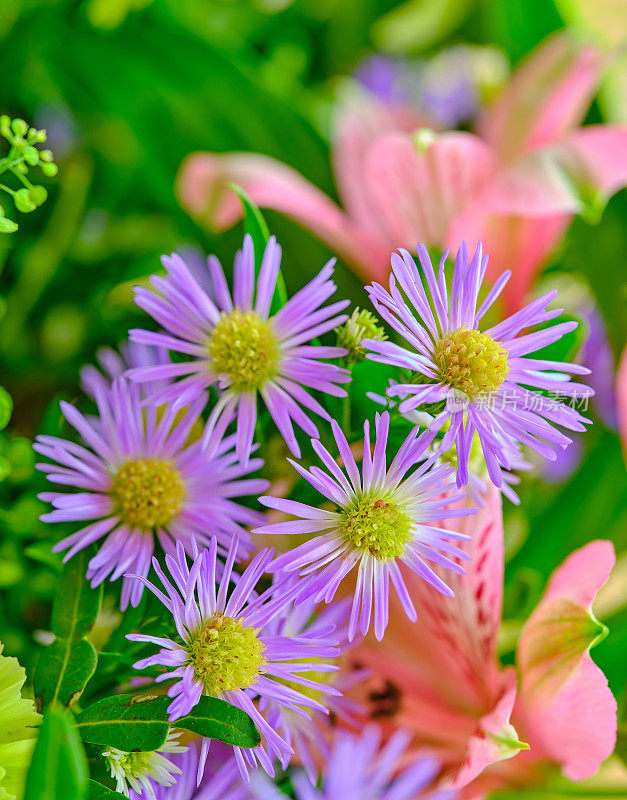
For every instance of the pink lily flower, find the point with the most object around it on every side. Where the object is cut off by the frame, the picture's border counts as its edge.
(493, 726)
(515, 184)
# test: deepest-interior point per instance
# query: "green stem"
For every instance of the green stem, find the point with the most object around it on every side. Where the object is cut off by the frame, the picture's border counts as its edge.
(6, 164)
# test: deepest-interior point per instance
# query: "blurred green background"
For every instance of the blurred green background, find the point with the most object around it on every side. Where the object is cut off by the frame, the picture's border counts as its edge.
(126, 89)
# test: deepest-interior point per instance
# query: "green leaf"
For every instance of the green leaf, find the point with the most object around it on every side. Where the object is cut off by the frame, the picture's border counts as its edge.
(98, 791)
(58, 769)
(63, 670)
(217, 719)
(131, 722)
(65, 667)
(257, 228)
(127, 722)
(6, 407)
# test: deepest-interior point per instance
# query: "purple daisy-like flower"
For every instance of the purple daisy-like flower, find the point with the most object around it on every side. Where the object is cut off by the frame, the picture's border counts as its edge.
(477, 485)
(236, 345)
(487, 381)
(139, 478)
(221, 777)
(385, 516)
(360, 769)
(114, 364)
(308, 736)
(225, 650)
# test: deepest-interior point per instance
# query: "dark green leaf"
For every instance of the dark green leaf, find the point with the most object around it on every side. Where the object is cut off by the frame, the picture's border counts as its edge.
(98, 791)
(65, 667)
(63, 670)
(216, 719)
(76, 604)
(58, 770)
(131, 722)
(126, 721)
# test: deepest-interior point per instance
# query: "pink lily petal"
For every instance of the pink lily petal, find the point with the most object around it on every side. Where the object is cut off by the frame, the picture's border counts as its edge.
(496, 738)
(360, 121)
(590, 164)
(203, 190)
(563, 694)
(515, 243)
(419, 186)
(547, 96)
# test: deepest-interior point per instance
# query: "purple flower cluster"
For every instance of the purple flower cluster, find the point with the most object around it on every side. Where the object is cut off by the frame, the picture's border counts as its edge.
(159, 463)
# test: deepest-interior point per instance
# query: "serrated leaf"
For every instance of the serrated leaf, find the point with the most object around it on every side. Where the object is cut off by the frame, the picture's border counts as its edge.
(98, 791)
(58, 770)
(133, 722)
(65, 667)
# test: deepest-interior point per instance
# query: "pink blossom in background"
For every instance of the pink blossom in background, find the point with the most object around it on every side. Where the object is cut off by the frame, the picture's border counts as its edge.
(515, 184)
(441, 677)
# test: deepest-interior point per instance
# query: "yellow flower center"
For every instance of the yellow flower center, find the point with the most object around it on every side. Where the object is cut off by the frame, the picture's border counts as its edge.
(148, 492)
(244, 347)
(471, 362)
(380, 528)
(226, 654)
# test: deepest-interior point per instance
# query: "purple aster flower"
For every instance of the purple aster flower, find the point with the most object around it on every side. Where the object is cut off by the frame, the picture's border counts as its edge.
(114, 364)
(139, 478)
(224, 648)
(360, 769)
(487, 382)
(384, 517)
(477, 485)
(236, 345)
(308, 736)
(221, 779)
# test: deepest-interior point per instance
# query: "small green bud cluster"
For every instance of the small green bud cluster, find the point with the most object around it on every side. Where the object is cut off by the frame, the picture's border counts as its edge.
(23, 154)
(361, 325)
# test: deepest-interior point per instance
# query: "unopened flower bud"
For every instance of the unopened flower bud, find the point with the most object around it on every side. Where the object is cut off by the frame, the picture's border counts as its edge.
(38, 195)
(23, 201)
(50, 170)
(361, 325)
(46, 155)
(7, 225)
(31, 155)
(20, 128)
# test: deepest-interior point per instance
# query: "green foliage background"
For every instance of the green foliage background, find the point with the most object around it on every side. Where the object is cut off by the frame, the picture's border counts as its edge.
(129, 88)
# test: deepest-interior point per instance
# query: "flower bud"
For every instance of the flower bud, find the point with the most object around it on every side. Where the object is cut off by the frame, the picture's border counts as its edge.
(31, 155)
(50, 170)
(23, 201)
(46, 155)
(38, 195)
(7, 225)
(361, 325)
(20, 128)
